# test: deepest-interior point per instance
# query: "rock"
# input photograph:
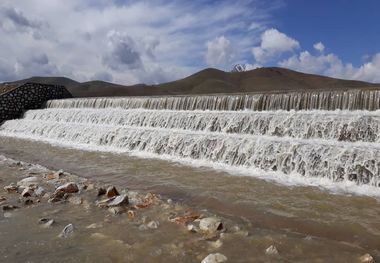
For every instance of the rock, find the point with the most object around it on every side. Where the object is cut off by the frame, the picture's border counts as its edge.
(210, 224)
(29, 181)
(12, 188)
(9, 207)
(68, 188)
(67, 231)
(367, 258)
(153, 224)
(94, 225)
(7, 215)
(2, 198)
(143, 227)
(131, 214)
(119, 200)
(272, 250)
(101, 191)
(215, 258)
(90, 187)
(55, 175)
(46, 222)
(111, 192)
(117, 210)
(27, 192)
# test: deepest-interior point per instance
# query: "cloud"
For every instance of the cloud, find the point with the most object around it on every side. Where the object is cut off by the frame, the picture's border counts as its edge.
(273, 43)
(319, 47)
(134, 41)
(331, 65)
(122, 53)
(219, 51)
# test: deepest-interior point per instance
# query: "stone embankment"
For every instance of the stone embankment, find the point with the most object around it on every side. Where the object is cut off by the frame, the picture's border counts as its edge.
(13, 102)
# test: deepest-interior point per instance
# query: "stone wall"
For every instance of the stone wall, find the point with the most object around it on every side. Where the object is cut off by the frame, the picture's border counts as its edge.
(28, 96)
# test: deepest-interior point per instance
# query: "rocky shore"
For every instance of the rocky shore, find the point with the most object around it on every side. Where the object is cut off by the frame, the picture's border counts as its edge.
(83, 220)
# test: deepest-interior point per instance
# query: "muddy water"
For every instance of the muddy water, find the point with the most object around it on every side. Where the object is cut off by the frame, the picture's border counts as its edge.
(307, 224)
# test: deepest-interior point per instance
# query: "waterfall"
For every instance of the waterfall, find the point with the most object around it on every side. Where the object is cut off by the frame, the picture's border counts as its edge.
(332, 135)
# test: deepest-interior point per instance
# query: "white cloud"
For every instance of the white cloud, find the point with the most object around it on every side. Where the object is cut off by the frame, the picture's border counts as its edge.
(273, 43)
(219, 51)
(331, 65)
(319, 47)
(153, 41)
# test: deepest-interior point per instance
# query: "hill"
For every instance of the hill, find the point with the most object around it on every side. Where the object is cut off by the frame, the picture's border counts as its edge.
(210, 81)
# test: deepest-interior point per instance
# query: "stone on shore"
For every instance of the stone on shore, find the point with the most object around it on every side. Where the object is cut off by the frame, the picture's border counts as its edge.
(68, 188)
(153, 224)
(367, 258)
(117, 210)
(111, 192)
(215, 258)
(272, 250)
(67, 231)
(119, 200)
(210, 224)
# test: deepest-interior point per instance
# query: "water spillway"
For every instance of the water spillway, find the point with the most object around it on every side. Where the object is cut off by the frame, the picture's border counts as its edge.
(330, 135)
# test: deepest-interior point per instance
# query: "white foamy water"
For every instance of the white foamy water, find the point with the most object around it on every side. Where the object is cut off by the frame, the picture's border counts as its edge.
(335, 149)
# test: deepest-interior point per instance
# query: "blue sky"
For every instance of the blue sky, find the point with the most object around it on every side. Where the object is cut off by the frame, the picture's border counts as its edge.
(135, 41)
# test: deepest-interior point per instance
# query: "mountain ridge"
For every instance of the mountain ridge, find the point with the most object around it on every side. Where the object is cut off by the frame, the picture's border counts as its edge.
(210, 81)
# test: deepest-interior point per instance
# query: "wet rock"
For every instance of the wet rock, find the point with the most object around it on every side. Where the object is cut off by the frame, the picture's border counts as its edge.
(46, 222)
(7, 215)
(12, 188)
(366, 258)
(63, 191)
(68, 188)
(117, 210)
(210, 224)
(153, 224)
(101, 191)
(111, 192)
(131, 214)
(29, 181)
(272, 250)
(9, 207)
(118, 200)
(67, 231)
(94, 225)
(27, 192)
(215, 258)
(55, 175)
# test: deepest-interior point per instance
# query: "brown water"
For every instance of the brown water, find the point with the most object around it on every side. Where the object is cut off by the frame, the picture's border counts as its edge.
(307, 224)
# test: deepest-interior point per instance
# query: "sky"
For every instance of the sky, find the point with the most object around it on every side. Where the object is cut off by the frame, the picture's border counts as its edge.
(137, 41)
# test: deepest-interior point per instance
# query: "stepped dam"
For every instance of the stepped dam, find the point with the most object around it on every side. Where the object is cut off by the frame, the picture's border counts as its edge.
(332, 135)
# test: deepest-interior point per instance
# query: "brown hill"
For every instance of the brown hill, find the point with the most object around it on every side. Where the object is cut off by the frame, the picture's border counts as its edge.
(210, 81)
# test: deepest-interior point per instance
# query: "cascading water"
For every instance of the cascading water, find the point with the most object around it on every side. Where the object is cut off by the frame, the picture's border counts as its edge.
(291, 134)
